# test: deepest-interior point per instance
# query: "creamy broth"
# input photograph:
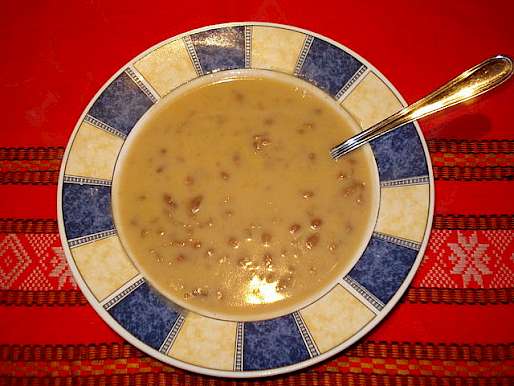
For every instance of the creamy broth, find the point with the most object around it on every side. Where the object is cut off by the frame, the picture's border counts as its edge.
(226, 199)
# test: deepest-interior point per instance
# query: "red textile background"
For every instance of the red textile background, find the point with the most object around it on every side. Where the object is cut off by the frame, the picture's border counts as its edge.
(455, 323)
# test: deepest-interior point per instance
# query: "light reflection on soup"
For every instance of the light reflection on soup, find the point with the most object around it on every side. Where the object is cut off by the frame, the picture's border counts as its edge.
(227, 201)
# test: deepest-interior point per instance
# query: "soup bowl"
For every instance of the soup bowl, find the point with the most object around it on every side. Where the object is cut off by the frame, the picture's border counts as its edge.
(345, 308)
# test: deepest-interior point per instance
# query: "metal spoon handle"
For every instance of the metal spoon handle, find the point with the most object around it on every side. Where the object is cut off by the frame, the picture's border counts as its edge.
(471, 83)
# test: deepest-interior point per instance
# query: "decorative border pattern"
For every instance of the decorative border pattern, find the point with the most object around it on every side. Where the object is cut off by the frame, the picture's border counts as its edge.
(238, 354)
(86, 180)
(398, 241)
(352, 82)
(422, 180)
(370, 298)
(90, 238)
(248, 46)
(306, 335)
(192, 55)
(125, 291)
(104, 126)
(132, 73)
(172, 335)
(303, 54)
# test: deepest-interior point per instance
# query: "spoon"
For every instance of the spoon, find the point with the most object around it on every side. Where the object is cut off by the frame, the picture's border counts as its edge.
(471, 83)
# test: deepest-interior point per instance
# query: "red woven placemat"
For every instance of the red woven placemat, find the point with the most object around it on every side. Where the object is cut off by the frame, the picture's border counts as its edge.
(455, 323)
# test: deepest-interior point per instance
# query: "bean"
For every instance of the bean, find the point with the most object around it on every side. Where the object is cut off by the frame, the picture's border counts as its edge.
(316, 223)
(200, 292)
(270, 277)
(189, 181)
(168, 200)
(180, 258)
(224, 176)
(312, 241)
(210, 252)
(282, 285)
(222, 260)
(260, 141)
(194, 204)
(233, 242)
(266, 239)
(177, 243)
(268, 261)
(307, 194)
(293, 229)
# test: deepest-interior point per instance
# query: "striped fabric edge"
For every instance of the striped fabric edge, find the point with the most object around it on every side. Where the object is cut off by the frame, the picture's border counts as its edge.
(308, 378)
(473, 173)
(414, 295)
(31, 177)
(362, 349)
(31, 153)
(441, 221)
(32, 165)
(445, 145)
